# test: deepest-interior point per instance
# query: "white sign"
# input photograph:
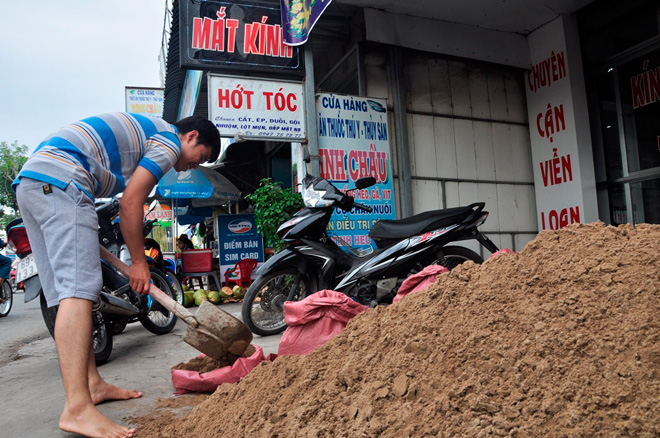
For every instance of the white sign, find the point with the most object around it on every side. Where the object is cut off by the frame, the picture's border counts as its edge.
(257, 108)
(555, 128)
(160, 215)
(145, 101)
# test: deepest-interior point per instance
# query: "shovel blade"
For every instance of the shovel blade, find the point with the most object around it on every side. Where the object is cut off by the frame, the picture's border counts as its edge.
(219, 335)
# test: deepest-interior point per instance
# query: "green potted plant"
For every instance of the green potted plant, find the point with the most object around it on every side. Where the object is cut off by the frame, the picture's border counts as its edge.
(273, 205)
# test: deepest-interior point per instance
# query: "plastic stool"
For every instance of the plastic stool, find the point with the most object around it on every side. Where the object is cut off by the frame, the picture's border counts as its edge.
(208, 275)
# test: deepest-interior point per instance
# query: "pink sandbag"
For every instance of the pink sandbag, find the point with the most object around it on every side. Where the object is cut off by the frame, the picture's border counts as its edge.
(420, 281)
(502, 251)
(186, 381)
(315, 320)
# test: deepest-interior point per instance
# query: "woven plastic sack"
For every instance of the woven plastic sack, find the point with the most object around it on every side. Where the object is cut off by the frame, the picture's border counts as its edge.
(186, 381)
(315, 320)
(502, 251)
(420, 281)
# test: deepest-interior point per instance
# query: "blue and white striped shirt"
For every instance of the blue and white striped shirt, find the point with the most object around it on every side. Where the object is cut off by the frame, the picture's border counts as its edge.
(99, 154)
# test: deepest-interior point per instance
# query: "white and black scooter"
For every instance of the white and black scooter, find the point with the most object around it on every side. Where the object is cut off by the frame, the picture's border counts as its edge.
(313, 261)
(118, 304)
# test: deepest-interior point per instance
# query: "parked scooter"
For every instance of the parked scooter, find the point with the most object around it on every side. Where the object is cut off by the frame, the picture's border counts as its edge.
(314, 261)
(118, 304)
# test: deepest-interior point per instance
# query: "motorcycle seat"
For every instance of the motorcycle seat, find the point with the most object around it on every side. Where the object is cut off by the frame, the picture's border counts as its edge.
(386, 232)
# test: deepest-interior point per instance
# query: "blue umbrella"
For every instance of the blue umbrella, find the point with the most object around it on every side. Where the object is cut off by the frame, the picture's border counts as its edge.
(187, 215)
(201, 187)
(204, 186)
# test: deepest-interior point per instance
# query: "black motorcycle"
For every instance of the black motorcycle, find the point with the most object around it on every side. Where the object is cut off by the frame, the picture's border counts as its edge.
(314, 261)
(118, 304)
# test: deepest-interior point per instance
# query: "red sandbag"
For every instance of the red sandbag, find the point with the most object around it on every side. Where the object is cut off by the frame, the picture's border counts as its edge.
(186, 381)
(427, 276)
(420, 281)
(315, 320)
(502, 251)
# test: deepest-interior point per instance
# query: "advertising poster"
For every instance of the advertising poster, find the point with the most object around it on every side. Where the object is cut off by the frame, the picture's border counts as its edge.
(299, 18)
(145, 101)
(354, 142)
(238, 239)
(162, 213)
(190, 92)
(258, 109)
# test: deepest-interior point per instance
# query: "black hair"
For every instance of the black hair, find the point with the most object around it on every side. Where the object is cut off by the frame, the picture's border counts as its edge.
(208, 133)
(187, 243)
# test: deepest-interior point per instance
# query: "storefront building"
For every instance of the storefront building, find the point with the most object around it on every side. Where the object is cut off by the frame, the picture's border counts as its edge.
(621, 49)
(550, 118)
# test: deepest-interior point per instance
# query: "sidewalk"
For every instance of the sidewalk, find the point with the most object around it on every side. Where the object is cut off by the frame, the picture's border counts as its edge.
(31, 382)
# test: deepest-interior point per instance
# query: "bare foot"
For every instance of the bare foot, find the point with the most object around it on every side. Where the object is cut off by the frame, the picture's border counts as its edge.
(90, 422)
(102, 392)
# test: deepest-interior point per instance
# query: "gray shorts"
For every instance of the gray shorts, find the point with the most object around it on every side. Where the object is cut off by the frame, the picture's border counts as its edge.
(62, 226)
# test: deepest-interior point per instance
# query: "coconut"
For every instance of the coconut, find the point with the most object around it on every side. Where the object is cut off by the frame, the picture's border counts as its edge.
(214, 297)
(200, 298)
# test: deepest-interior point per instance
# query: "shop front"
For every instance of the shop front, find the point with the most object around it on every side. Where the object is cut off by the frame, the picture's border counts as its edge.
(550, 117)
(621, 46)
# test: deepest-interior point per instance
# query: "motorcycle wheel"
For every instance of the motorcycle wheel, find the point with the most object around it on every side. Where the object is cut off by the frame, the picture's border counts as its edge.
(157, 319)
(101, 337)
(116, 326)
(455, 255)
(7, 295)
(263, 306)
(176, 285)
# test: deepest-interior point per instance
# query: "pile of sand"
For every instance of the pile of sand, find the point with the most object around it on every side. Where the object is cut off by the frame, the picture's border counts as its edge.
(560, 339)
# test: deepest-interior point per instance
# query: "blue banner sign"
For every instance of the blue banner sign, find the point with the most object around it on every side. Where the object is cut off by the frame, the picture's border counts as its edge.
(238, 239)
(354, 142)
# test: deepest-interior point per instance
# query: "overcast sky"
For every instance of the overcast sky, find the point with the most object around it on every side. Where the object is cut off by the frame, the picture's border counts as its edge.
(65, 60)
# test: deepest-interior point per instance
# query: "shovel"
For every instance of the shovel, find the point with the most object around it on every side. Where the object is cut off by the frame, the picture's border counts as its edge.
(211, 330)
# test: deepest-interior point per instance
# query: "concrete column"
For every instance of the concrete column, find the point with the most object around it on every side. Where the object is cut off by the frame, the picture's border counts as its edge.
(401, 130)
(310, 113)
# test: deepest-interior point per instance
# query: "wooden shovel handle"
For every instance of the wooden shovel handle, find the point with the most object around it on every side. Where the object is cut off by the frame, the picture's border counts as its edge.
(157, 294)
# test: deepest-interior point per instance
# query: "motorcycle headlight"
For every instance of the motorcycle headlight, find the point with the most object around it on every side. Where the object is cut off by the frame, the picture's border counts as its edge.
(314, 198)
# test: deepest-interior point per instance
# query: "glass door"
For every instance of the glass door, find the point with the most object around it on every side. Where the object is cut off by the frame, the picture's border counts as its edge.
(629, 102)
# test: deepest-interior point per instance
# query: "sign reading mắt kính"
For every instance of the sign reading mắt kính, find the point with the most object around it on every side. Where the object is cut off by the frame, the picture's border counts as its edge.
(237, 35)
(354, 142)
(144, 101)
(257, 108)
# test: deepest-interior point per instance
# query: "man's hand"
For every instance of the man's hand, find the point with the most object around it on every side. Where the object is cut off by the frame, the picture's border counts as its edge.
(131, 220)
(140, 277)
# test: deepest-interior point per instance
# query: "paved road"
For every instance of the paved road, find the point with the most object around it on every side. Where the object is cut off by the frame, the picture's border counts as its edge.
(31, 385)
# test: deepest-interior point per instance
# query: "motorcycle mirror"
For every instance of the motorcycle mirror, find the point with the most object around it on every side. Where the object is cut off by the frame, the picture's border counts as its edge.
(364, 182)
(306, 157)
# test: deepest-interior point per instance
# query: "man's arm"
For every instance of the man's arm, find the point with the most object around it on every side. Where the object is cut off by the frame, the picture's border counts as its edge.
(131, 212)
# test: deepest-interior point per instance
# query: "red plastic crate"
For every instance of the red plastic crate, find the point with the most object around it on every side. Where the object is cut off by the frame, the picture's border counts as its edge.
(197, 260)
